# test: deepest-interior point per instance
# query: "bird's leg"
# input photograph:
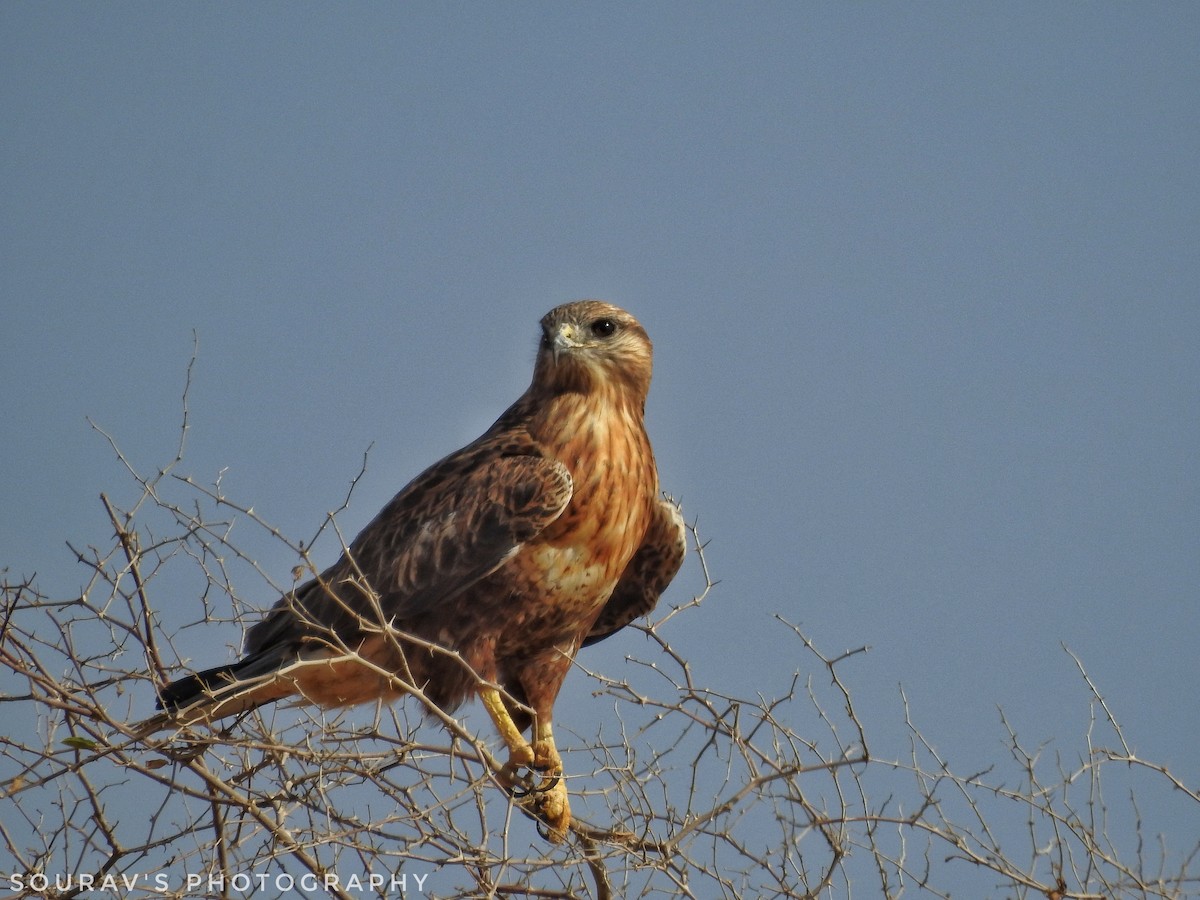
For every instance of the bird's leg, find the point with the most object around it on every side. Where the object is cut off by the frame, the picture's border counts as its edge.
(548, 800)
(545, 755)
(552, 802)
(520, 754)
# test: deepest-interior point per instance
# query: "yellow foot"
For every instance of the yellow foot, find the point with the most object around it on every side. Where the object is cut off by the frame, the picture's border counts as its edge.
(552, 807)
(533, 773)
(545, 757)
(544, 769)
(548, 801)
(520, 758)
(534, 777)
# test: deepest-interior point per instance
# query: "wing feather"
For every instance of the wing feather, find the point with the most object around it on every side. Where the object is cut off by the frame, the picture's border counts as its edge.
(648, 573)
(436, 538)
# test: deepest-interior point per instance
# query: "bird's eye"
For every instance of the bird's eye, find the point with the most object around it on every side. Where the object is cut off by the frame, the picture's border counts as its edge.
(604, 328)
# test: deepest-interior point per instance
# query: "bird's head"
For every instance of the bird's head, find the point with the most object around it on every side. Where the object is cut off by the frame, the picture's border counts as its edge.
(590, 345)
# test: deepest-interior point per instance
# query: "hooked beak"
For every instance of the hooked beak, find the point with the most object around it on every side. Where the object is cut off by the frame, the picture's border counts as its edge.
(563, 338)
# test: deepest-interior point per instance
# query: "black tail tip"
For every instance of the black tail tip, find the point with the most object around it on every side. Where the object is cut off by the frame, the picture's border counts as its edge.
(185, 691)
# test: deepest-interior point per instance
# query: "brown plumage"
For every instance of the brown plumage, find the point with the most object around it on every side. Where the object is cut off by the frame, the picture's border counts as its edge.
(545, 534)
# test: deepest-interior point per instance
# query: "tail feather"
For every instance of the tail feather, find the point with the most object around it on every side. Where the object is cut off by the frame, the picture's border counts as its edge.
(190, 689)
(219, 692)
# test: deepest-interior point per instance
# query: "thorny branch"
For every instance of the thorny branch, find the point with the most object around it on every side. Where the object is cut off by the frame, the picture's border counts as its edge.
(682, 789)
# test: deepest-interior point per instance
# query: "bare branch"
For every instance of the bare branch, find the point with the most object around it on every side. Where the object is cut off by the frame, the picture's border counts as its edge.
(682, 788)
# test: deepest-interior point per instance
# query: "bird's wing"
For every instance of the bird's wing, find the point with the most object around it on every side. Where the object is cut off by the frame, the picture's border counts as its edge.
(647, 575)
(449, 528)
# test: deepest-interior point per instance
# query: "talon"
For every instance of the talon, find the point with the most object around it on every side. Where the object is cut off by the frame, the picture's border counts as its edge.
(552, 812)
(520, 758)
(547, 799)
(522, 792)
(550, 783)
(522, 787)
(510, 779)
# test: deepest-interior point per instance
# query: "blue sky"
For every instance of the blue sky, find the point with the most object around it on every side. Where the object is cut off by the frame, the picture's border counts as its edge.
(922, 279)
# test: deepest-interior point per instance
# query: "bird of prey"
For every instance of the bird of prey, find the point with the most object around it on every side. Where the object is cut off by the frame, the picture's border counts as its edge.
(488, 571)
